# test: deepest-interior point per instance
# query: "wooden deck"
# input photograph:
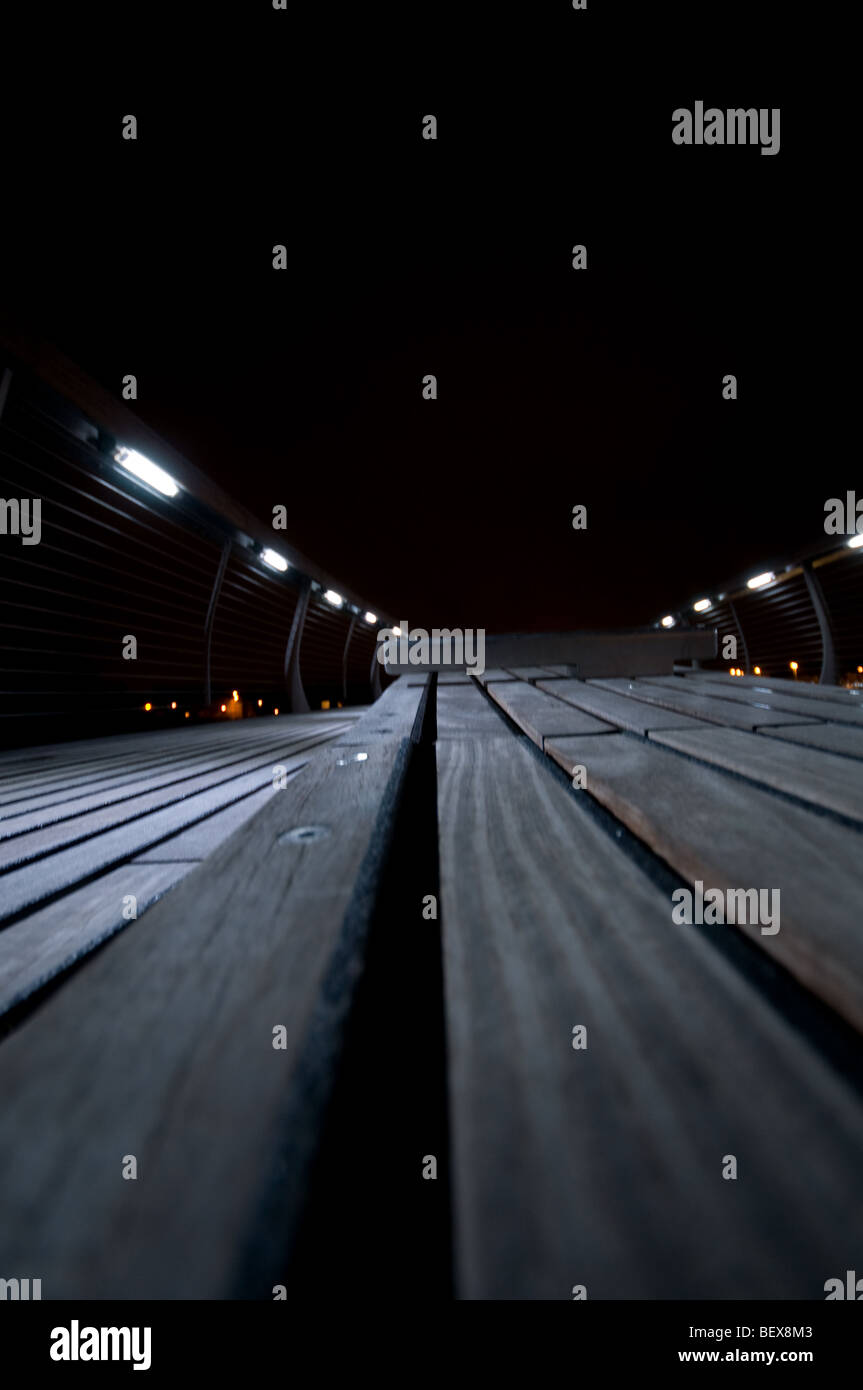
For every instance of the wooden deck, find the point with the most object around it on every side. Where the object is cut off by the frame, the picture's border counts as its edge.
(598, 1165)
(86, 825)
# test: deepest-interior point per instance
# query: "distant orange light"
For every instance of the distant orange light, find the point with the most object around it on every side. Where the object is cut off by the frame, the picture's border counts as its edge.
(187, 714)
(275, 711)
(732, 671)
(173, 704)
(260, 702)
(235, 695)
(223, 708)
(325, 704)
(794, 666)
(860, 670)
(148, 705)
(757, 670)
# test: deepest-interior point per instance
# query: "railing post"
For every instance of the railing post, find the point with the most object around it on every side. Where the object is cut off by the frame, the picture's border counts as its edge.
(211, 617)
(293, 680)
(353, 624)
(375, 674)
(742, 634)
(829, 672)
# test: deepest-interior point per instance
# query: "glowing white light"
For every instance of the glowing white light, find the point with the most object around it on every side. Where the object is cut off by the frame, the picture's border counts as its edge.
(332, 597)
(373, 617)
(147, 471)
(855, 541)
(668, 621)
(760, 580)
(701, 605)
(274, 560)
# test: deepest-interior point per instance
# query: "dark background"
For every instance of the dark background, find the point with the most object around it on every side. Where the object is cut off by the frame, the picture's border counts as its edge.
(409, 257)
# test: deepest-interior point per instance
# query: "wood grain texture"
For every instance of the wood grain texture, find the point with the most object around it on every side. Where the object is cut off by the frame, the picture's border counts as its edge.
(30, 882)
(529, 673)
(162, 1047)
(136, 758)
(34, 796)
(620, 710)
(67, 848)
(708, 707)
(390, 717)
(603, 1166)
(182, 737)
(41, 946)
(760, 696)
(820, 778)
(204, 839)
(803, 690)
(729, 835)
(96, 806)
(121, 757)
(462, 712)
(540, 715)
(832, 738)
(495, 674)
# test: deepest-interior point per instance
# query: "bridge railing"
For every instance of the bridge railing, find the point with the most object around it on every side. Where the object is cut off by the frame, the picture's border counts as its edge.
(127, 598)
(805, 620)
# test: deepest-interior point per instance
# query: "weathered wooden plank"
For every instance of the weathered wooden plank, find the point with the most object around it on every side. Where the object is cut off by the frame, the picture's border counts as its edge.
(32, 883)
(43, 945)
(495, 674)
(620, 710)
(804, 690)
(31, 793)
(540, 715)
(603, 1166)
(708, 707)
(145, 754)
(763, 698)
(163, 1048)
(529, 673)
(53, 836)
(713, 828)
(833, 738)
(821, 778)
(462, 712)
(59, 755)
(173, 782)
(141, 755)
(392, 716)
(589, 653)
(206, 836)
(50, 756)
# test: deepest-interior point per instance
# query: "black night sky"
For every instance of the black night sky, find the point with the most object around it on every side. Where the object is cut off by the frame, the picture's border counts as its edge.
(453, 257)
